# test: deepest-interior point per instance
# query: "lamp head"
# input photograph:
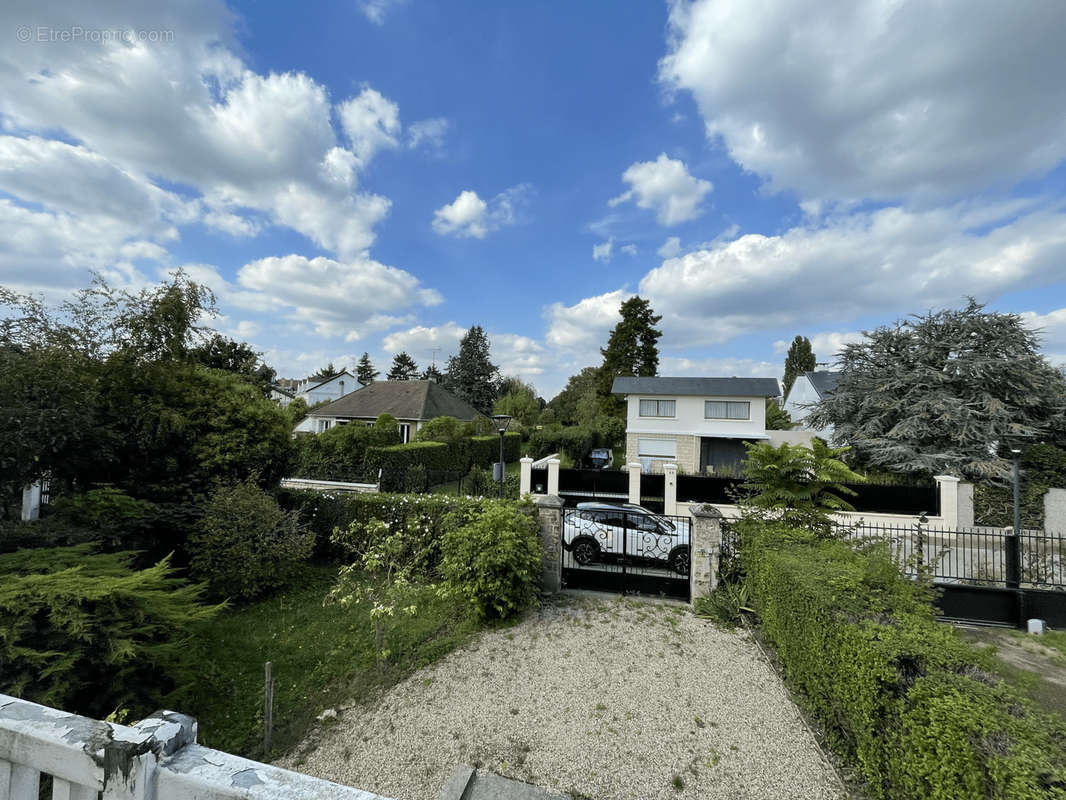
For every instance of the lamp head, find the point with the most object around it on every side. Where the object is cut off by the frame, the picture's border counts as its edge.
(501, 421)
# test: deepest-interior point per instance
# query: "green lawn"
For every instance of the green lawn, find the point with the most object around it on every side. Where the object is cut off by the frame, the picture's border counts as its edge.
(321, 656)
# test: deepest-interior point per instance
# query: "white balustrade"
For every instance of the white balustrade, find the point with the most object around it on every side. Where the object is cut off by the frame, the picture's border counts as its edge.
(156, 759)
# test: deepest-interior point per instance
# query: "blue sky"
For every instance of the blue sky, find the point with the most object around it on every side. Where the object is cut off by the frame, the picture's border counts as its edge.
(373, 175)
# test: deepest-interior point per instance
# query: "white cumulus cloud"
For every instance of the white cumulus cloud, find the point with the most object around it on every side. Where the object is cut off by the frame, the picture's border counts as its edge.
(470, 216)
(666, 186)
(853, 99)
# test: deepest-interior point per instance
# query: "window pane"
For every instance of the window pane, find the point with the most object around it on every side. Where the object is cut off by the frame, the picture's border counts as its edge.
(666, 408)
(739, 410)
(714, 409)
(648, 408)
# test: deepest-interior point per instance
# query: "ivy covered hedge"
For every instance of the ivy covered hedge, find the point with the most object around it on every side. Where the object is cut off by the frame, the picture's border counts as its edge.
(456, 456)
(920, 712)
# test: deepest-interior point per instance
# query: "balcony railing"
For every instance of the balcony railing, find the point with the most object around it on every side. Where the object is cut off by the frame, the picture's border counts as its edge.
(156, 759)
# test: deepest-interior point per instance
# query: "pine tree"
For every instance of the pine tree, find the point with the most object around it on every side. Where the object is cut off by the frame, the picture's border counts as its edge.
(471, 375)
(364, 370)
(633, 347)
(404, 368)
(950, 391)
(800, 359)
(433, 374)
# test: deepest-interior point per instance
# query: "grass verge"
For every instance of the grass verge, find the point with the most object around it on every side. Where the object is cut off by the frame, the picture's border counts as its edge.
(321, 656)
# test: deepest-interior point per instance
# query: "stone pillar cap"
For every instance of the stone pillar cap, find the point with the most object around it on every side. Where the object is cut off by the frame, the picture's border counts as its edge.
(706, 510)
(549, 500)
(946, 478)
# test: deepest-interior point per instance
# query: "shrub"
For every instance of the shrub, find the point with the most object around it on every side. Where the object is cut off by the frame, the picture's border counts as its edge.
(332, 517)
(493, 559)
(394, 461)
(485, 450)
(919, 711)
(339, 453)
(246, 545)
(479, 483)
(441, 429)
(87, 633)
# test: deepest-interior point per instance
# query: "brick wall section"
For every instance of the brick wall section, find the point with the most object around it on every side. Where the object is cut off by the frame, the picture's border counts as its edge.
(550, 521)
(688, 451)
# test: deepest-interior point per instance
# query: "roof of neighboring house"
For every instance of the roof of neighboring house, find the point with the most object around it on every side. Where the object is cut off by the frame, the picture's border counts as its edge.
(703, 387)
(281, 390)
(824, 382)
(419, 400)
(318, 380)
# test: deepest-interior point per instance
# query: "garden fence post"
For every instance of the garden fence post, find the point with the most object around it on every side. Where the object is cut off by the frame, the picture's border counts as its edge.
(525, 481)
(1055, 512)
(670, 489)
(948, 486)
(634, 483)
(553, 476)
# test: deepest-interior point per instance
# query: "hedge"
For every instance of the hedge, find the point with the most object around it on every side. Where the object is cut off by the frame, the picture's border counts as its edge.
(324, 512)
(919, 711)
(484, 451)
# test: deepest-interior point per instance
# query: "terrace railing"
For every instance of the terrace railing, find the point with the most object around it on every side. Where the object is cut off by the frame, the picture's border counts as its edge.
(156, 759)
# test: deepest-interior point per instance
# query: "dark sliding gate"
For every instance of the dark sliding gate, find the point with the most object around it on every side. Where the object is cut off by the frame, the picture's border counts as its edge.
(618, 550)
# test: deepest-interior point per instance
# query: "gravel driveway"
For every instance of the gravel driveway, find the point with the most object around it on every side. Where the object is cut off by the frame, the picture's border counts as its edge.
(596, 696)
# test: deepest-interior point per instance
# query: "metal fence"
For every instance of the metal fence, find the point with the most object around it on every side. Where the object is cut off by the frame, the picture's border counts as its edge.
(977, 556)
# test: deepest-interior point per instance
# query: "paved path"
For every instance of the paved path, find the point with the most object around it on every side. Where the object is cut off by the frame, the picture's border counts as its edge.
(596, 696)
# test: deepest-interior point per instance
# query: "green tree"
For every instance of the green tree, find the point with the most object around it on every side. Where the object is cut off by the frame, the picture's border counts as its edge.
(947, 392)
(403, 368)
(519, 400)
(564, 406)
(777, 419)
(441, 429)
(471, 374)
(800, 359)
(327, 371)
(153, 421)
(796, 485)
(433, 374)
(633, 346)
(218, 352)
(364, 370)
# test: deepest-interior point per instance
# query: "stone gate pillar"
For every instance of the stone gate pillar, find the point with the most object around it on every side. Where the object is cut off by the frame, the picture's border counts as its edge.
(705, 548)
(550, 522)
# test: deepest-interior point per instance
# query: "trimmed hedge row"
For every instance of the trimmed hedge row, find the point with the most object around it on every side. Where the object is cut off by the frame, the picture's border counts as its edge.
(484, 451)
(457, 456)
(921, 713)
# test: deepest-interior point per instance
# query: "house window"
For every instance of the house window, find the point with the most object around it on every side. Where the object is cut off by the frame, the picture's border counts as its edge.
(324, 425)
(657, 448)
(726, 409)
(657, 408)
(405, 433)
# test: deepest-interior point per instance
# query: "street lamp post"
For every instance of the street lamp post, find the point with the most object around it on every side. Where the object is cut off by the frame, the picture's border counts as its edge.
(1013, 550)
(501, 421)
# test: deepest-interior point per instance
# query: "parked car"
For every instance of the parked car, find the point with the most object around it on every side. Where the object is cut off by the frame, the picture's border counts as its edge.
(600, 458)
(595, 532)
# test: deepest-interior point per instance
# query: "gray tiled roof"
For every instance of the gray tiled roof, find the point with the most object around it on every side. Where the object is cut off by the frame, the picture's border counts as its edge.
(403, 399)
(703, 387)
(824, 382)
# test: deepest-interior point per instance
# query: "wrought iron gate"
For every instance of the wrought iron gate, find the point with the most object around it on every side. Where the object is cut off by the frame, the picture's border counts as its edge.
(625, 549)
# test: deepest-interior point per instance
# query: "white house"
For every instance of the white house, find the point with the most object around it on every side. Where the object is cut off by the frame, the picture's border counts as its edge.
(281, 395)
(319, 388)
(700, 424)
(808, 389)
(411, 402)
